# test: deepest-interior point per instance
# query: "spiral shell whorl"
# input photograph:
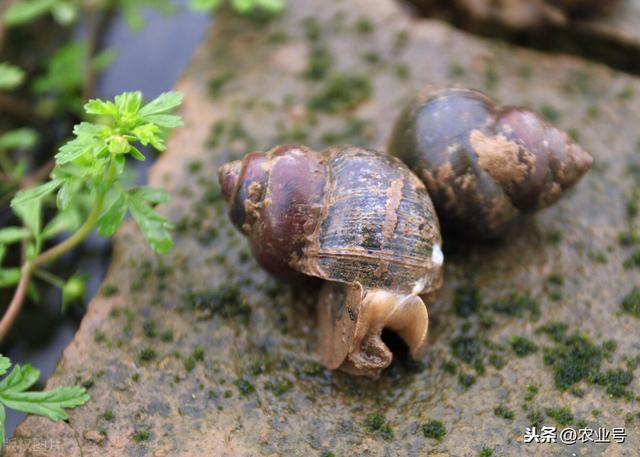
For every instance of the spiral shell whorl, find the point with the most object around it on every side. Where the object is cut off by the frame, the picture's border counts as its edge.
(274, 197)
(484, 165)
(356, 218)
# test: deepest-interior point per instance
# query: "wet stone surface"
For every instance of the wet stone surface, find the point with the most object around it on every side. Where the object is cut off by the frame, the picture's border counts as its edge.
(199, 352)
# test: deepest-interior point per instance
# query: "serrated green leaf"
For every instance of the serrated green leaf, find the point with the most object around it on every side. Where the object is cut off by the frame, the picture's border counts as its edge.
(151, 195)
(88, 129)
(163, 103)
(19, 139)
(5, 364)
(50, 403)
(24, 11)
(10, 76)
(100, 107)
(9, 276)
(30, 214)
(154, 227)
(21, 378)
(168, 121)
(10, 235)
(111, 219)
(76, 148)
(66, 192)
(129, 102)
(35, 193)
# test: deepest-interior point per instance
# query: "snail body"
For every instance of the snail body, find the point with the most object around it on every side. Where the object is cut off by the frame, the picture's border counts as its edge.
(358, 219)
(484, 165)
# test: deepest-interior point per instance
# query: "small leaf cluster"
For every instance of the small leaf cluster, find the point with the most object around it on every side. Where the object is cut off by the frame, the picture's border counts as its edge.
(92, 163)
(88, 184)
(67, 12)
(240, 6)
(14, 394)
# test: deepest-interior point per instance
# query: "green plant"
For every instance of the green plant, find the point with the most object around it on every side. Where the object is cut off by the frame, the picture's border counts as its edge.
(51, 403)
(66, 12)
(10, 76)
(72, 69)
(90, 192)
(240, 6)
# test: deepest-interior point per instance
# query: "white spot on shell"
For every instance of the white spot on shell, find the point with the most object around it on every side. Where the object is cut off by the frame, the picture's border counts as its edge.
(437, 256)
(417, 288)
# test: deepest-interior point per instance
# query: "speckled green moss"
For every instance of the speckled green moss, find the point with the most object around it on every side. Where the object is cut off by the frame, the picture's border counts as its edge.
(341, 92)
(562, 415)
(434, 429)
(522, 346)
(631, 302)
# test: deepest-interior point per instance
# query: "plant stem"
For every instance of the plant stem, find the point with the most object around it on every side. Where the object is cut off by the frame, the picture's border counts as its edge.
(16, 302)
(52, 254)
(49, 277)
(48, 256)
(56, 251)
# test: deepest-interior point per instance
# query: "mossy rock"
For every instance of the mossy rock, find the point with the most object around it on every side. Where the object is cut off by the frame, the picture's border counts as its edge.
(199, 352)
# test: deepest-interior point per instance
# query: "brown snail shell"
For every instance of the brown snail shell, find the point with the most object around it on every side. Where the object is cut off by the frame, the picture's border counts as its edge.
(484, 165)
(359, 220)
(584, 8)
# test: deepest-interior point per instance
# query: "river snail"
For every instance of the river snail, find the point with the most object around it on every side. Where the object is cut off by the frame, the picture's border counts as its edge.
(356, 218)
(483, 164)
(583, 8)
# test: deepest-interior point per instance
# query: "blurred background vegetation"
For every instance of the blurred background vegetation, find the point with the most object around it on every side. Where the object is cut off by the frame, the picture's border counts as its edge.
(55, 55)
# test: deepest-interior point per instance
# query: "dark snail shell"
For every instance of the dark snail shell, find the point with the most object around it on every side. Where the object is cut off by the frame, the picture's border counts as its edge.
(483, 164)
(354, 217)
(582, 8)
